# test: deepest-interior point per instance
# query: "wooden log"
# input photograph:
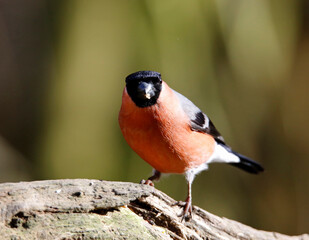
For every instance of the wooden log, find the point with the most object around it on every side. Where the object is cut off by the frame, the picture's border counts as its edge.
(92, 209)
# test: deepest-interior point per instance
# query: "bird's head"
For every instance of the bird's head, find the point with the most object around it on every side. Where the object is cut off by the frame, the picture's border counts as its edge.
(144, 87)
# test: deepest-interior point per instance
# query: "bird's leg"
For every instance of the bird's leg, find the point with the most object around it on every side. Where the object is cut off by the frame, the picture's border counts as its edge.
(155, 177)
(187, 211)
(187, 204)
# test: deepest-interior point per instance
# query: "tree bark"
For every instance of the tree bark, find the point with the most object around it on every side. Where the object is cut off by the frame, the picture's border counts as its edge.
(93, 209)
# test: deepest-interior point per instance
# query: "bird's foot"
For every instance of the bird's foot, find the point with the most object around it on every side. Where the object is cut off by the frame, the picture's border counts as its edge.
(187, 209)
(147, 182)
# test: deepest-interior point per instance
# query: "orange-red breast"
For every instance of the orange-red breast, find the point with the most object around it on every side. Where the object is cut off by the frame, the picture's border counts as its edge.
(172, 134)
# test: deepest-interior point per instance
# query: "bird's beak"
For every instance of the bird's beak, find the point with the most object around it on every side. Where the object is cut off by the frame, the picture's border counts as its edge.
(146, 90)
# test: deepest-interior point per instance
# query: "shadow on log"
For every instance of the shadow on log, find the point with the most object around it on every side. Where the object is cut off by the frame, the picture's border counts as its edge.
(93, 209)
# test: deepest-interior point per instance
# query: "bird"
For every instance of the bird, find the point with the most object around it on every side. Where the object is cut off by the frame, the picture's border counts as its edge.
(172, 134)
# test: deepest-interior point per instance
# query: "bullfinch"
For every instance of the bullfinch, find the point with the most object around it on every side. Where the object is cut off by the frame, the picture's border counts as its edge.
(172, 134)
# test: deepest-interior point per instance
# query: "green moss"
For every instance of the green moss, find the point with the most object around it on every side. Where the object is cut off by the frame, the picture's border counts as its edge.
(120, 223)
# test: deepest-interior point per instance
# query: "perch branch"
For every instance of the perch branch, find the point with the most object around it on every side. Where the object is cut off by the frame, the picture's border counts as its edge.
(93, 209)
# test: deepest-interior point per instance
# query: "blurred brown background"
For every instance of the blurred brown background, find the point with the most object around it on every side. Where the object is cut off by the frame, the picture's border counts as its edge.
(244, 62)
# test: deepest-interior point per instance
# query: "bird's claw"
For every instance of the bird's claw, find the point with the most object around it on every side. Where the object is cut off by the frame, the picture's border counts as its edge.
(179, 203)
(185, 216)
(187, 210)
(147, 182)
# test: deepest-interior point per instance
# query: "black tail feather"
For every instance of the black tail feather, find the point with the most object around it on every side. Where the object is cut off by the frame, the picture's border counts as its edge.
(247, 164)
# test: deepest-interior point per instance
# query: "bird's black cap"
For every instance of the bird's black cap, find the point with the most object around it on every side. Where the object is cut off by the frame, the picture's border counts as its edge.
(137, 81)
(143, 75)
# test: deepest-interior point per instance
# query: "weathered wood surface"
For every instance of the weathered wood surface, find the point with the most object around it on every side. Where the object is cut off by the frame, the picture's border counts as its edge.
(93, 209)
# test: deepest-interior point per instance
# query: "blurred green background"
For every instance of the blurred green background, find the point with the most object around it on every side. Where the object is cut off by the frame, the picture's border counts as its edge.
(244, 62)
